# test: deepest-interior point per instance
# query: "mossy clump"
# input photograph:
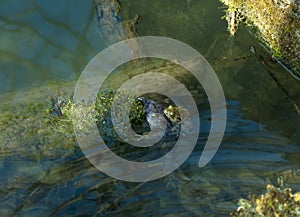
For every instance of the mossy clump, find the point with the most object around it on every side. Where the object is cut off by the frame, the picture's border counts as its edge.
(278, 201)
(63, 106)
(37, 123)
(43, 128)
(275, 22)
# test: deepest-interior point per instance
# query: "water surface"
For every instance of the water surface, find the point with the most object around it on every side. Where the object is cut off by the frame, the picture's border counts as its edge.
(42, 41)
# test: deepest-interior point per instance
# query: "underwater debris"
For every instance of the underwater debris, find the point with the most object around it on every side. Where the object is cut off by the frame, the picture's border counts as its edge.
(111, 27)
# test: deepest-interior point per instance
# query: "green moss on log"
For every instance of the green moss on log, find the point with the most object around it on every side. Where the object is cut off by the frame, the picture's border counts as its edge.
(275, 22)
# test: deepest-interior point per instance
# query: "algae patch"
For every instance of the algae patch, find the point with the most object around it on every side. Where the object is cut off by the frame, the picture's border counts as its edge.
(38, 123)
(277, 201)
(276, 23)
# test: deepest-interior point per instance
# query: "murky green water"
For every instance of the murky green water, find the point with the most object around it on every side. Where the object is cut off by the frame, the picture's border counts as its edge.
(54, 40)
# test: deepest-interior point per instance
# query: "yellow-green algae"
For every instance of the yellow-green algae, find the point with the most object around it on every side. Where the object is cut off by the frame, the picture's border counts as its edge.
(31, 127)
(277, 201)
(276, 23)
(35, 128)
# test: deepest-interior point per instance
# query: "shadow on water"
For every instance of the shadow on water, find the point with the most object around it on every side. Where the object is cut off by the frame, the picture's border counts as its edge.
(261, 142)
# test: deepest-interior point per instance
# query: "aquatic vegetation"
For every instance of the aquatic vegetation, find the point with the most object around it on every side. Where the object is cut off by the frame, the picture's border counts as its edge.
(275, 23)
(277, 201)
(45, 127)
(39, 123)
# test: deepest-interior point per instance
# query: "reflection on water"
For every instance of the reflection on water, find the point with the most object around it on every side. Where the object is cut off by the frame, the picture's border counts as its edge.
(45, 40)
(249, 158)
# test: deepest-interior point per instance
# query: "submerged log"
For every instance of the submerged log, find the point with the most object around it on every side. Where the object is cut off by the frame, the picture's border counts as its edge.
(38, 123)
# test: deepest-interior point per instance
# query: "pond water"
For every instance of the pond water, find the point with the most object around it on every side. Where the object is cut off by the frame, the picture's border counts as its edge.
(42, 41)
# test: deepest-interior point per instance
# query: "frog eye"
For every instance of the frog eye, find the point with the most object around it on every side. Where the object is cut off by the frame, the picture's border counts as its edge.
(142, 99)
